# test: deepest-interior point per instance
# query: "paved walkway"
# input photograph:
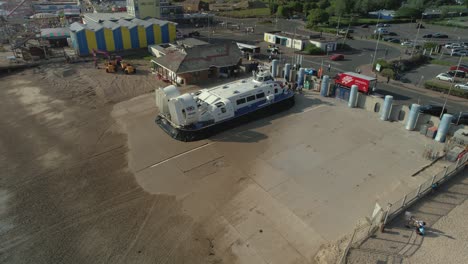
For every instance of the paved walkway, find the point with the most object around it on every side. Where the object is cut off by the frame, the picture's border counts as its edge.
(398, 243)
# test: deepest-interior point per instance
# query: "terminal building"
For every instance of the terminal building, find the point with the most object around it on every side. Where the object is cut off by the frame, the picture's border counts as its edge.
(300, 40)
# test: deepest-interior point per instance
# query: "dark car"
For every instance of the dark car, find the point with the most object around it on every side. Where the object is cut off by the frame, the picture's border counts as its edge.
(455, 73)
(392, 34)
(428, 36)
(419, 25)
(365, 26)
(194, 34)
(434, 110)
(439, 35)
(460, 118)
(394, 40)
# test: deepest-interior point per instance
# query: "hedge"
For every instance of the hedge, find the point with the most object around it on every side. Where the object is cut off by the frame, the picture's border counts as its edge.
(441, 87)
(313, 50)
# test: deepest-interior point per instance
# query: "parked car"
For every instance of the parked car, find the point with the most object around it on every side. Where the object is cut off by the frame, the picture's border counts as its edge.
(455, 73)
(194, 34)
(379, 25)
(386, 25)
(427, 36)
(459, 53)
(439, 35)
(444, 77)
(365, 26)
(337, 57)
(382, 31)
(434, 110)
(419, 25)
(344, 30)
(392, 34)
(407, 44)
(453, 46)
(395, 40)
(462, 67)
(448, 45)
(463, 86)
(460, 118)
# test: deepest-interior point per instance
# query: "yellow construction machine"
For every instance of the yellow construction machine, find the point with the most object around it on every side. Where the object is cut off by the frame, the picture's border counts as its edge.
(127, 68)
(110, 67)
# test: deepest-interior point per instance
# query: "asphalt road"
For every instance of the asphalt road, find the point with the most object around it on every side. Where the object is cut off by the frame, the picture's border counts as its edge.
(363, 53)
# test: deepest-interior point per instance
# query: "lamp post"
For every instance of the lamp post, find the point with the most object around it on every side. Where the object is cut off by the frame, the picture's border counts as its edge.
(375, 52)
(417, 34)
(451, 86)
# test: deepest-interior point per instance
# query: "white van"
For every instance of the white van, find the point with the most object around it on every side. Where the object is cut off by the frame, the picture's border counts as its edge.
(382, 31)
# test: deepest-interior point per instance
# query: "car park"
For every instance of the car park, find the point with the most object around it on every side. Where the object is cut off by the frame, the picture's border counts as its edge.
(463, 86)
(434, 110)
(460, 118)
(444, 77)
(337, 57)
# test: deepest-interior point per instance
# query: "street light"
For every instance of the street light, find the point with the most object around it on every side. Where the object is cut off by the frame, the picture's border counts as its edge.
(451, 86)
(417, 34)
(375, 52)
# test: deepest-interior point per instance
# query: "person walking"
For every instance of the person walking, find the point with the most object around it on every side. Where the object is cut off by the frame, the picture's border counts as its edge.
(329, 67)
(388, 79)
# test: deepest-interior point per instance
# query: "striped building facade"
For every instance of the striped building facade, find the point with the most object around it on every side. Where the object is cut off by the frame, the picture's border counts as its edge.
(120, 35)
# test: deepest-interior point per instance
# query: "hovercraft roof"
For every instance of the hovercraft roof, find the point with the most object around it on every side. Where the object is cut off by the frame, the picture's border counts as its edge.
(242, 86)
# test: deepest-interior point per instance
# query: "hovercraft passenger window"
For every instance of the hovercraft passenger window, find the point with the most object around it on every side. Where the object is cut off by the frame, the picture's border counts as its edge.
(240, 101)
(260, 95)
(223, 110)
(250, 98)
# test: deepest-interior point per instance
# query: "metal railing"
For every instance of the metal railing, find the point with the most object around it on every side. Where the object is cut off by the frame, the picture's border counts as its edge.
(361, 233)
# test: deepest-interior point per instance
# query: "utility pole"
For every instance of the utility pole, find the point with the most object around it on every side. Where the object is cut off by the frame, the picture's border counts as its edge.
(375, 52)
(417, 34)
(451, 86)
(338, 27)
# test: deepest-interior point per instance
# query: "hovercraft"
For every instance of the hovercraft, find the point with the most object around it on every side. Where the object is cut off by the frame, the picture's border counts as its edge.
(199, 115)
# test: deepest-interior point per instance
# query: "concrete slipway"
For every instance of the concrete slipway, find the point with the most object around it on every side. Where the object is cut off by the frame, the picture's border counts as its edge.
(276, 189)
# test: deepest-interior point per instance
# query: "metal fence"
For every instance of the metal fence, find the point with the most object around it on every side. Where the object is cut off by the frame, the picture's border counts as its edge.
(361, 233)
(397, 207)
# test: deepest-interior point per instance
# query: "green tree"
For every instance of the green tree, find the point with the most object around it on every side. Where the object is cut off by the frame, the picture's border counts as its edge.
(284, 11)
(317, 16)
(273, 7)
(295, 6)
(343, 6)
(407, 11)
(322, 4)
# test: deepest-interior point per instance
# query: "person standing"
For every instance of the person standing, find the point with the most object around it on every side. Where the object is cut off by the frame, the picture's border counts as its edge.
(329, 67)
(388, 79)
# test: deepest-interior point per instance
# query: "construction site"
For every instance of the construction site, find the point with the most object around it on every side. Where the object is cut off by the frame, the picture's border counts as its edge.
(89, 177)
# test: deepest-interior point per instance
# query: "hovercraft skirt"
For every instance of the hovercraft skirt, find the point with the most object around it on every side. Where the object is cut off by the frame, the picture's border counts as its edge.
(208, 131)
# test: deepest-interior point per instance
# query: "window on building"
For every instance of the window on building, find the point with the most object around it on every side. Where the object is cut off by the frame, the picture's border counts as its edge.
(260, 95)
(240, 101)
(250, 98)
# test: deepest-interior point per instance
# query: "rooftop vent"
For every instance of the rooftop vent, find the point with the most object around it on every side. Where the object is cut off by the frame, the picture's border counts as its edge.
(236, 92)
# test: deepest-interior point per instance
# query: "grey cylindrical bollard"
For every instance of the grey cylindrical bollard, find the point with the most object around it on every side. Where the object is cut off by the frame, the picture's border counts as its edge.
(287, 69)
(353, 96)
(387, 106)
(274, 68)
(324, 87)
(413, 117)
(301, 75)
(443, 127)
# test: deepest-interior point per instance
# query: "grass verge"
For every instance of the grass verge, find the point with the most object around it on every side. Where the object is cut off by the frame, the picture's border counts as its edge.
(442, 87)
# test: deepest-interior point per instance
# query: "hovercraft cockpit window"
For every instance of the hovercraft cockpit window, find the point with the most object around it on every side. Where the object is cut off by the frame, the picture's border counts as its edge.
(220, 104)
(240, 101)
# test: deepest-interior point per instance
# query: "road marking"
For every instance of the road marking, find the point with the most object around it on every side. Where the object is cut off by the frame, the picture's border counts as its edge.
(178, 155)
(311, 108)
